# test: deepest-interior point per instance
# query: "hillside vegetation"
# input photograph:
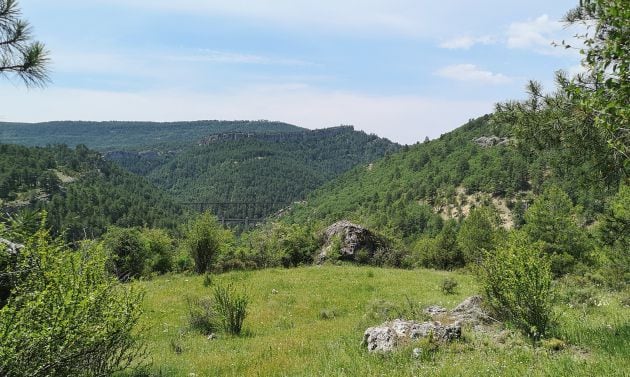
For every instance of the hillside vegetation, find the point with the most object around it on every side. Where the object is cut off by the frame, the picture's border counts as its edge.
(83, 193)
(412, 192)
(270, 168)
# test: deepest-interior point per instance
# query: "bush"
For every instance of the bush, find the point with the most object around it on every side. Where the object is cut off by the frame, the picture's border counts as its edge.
(517, 284)
(280, 244)
(128, 256)
(67, 316)
(448, 286)
(159, 248)
(202, 316)
(205, 240)
(231, 308)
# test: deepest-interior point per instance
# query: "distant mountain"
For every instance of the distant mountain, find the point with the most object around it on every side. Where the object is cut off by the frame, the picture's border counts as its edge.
(115, 135)
(271, 168)
(82, 192)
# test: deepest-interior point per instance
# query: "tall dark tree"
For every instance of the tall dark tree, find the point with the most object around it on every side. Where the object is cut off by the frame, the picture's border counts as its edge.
(19, 54)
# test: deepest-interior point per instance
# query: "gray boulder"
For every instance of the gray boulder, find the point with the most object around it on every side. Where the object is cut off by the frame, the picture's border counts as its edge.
(380, 339)
(470, 312)
(445, 327)
(353, 237)
(386, 337)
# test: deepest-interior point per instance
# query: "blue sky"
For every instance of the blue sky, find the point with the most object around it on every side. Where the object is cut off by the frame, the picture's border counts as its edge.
(402, 69)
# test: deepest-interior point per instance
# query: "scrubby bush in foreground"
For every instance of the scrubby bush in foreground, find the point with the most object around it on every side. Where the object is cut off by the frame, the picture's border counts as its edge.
(67, 316)
(516, 281)
(205, 240)
(231, 308)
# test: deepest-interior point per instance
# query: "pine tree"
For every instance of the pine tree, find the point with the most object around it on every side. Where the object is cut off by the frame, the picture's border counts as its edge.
(19, 55)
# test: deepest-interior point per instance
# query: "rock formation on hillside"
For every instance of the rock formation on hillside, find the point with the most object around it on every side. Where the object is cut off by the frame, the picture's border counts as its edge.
(491, 141)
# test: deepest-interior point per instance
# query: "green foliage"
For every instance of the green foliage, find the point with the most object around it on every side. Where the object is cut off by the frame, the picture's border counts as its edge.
(230, 307)
(205, 240)
(604, 91)
(408, 194)
(82, 193)
(278, 244)
(614, 235)
(159, 248)
(138, 252)
(270, 169)
(19, 55)
(66, 316)
(128, 256)
(443, 252)
(478, 234)
(551, 219)
(516, 280)
(448, 286)
(202, 315)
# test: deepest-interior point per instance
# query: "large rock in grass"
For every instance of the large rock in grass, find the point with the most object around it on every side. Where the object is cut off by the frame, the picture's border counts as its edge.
(470, 312)
(445, 326)
(354, 242)
(389, 335)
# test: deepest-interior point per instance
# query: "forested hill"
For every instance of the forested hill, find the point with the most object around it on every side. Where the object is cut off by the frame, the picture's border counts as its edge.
(413, 192)
(118, 135)
(82, 192)
(276, 168)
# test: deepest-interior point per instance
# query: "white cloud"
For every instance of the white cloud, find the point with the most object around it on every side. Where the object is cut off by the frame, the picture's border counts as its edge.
(470, 72)
(466, 42)
(405, 119)
(537, 35)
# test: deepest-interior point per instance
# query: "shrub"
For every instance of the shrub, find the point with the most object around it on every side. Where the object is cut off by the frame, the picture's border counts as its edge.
(517, 284)
(207, 279)
(205, 240)
(448, 286)
(159, 248)
(128, 256)
(67, 316)
(202, 316)
(230, 307)
(280, 244)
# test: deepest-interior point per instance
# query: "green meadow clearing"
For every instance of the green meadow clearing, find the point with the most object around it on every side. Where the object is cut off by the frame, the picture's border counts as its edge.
(309, 321)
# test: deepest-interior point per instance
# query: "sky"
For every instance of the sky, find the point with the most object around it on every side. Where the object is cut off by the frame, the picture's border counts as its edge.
(402, 69)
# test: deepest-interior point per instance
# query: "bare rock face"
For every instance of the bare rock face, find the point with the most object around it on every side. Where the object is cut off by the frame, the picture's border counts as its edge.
(491, 141)
(353, 238)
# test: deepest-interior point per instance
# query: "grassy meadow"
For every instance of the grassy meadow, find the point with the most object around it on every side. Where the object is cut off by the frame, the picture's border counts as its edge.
(309, 322)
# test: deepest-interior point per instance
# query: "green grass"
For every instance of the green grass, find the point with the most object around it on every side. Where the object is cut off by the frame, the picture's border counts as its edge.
(312, 325)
